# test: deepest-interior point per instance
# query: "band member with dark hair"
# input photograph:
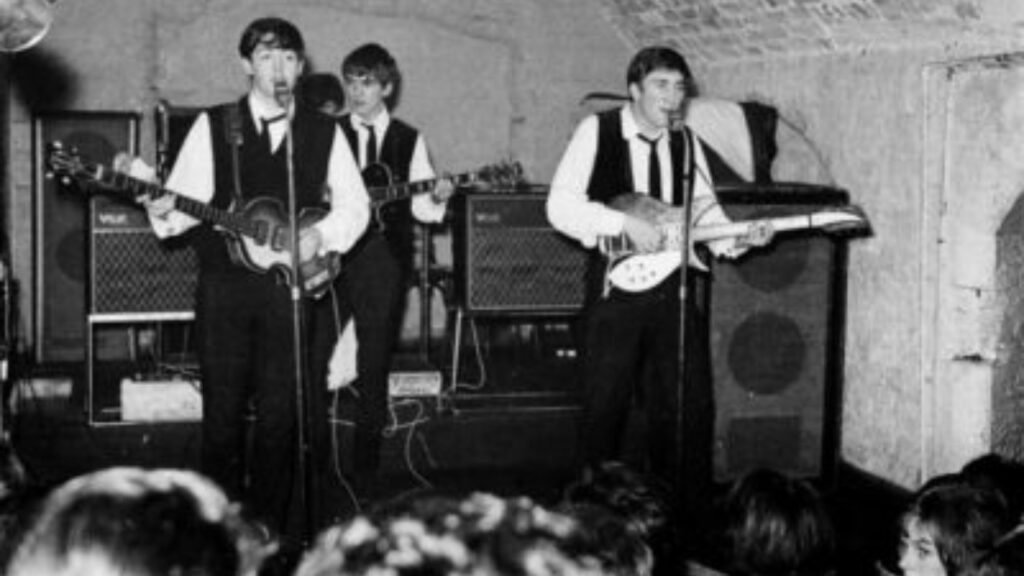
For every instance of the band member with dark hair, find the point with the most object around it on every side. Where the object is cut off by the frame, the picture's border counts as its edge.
(632, 339)
(322, 92)
(377, 272)
(234, 155)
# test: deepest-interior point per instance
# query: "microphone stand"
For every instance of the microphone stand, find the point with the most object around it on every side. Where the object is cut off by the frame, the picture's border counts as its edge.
(679, 454)
(296, 290)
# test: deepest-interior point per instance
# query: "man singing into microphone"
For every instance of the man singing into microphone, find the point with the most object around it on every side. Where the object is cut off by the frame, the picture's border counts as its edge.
(234, 154)
(632, 339)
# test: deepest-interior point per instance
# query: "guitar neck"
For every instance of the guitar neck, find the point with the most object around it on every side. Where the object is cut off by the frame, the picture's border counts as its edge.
(673, 234)
(202, 211)
(384, 194)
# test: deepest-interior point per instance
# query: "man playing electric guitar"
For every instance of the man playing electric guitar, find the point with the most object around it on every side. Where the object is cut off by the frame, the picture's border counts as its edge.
(631, 340)
(376, 274)
(232, 154)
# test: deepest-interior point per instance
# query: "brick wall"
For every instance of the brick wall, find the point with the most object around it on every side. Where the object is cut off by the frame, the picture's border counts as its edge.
(716, 31)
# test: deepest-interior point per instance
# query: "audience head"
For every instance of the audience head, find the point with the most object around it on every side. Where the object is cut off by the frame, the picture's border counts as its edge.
(1001, 474)
(1006, 558)
(128, 521)
(948, 525)
(13, 477)
(640, 502)
(608, 537)
(775, 524)
(480, 535)
(322, 92)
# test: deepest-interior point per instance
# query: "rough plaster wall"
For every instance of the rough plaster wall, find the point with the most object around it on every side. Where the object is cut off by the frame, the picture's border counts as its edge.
(1008, 392)
(864, 117)
(717, 31)
(983, 176)
(485, 79)
(859, 111)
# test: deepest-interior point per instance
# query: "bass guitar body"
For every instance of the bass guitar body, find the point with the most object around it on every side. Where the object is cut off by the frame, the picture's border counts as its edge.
(267, 246)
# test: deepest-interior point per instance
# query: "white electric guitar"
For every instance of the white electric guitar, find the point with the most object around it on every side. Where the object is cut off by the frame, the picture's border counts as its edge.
(632, 270)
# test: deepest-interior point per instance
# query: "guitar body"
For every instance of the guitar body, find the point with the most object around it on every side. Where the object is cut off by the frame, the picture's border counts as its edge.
(634, 271)
(377, 176)
(379, 180)
(647, 209)
(269, 247)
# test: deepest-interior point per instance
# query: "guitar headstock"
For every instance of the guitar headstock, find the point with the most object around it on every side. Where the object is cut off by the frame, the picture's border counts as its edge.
(64, 162)
(504, 174)
(843, 220)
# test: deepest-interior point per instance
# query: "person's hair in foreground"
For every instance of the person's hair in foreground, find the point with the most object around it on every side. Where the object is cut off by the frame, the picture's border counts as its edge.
(962, 522)
(1001, 474)
(640, 501)
(775, 524)
(1006, 558)
(129, 521)
(434, 536)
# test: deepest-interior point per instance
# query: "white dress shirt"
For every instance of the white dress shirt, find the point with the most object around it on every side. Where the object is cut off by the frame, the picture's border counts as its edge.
(424, 208)
(573, 213)
(193, 177)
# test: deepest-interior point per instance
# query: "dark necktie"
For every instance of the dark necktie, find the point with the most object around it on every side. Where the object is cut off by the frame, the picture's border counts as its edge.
(265, 135)
(653, 168)
(371, 145)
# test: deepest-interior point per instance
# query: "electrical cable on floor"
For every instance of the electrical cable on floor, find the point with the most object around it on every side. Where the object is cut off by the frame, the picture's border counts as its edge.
(412, 432)
(336, 451)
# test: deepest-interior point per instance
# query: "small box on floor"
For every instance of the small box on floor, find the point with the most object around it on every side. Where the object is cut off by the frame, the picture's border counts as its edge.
(176, 400)
(414, 383)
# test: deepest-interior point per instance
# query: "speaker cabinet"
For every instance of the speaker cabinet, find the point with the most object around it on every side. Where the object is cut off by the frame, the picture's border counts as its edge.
(776, 341)
(61, 221)
(509, 259)
(132, 272)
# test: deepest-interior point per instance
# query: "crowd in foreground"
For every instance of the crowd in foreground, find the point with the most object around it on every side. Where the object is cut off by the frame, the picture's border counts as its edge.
(609, 521)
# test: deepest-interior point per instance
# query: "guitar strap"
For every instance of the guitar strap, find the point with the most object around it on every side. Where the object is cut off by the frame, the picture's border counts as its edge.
(233, 135)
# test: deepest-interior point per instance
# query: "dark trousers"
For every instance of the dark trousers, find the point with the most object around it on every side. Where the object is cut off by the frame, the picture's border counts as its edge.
(631, 349)
(374, 284)
(246, 358)
(325, 319)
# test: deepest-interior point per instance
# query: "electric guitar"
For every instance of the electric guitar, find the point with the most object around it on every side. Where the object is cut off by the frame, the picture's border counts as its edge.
(632, 270)
(382, 191)
(259, 234)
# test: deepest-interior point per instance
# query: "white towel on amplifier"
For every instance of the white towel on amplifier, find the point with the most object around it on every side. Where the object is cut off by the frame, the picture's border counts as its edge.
(343, 368)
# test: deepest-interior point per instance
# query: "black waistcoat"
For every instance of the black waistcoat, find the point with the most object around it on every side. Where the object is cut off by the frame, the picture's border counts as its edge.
(262, 174)
(612, 175)
(396, 152)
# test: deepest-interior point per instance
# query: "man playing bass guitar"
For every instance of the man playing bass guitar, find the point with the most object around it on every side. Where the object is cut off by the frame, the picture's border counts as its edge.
(234, 154)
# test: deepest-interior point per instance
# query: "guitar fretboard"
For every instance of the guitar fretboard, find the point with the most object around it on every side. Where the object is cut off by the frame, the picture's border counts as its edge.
(673, 240)
(229, 220)
(384, 194)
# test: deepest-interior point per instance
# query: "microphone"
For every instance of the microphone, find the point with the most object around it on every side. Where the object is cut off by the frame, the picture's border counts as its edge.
(284, 95)
(677, 119)
(163, 138)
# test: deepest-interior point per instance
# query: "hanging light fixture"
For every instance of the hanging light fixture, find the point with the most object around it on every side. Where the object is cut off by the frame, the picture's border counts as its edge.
(23, 23)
